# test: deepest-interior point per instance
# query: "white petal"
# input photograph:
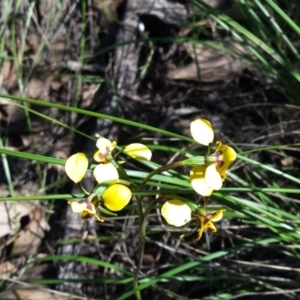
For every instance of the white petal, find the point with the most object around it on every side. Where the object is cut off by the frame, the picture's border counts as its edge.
(176, 212)
(202, 131)
(138, 151)
(213, 178)
(105, 172)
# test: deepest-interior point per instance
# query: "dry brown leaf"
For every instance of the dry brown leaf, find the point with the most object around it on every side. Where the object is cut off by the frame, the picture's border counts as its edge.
(5, 70)
(33, 42)
(88, 93)
(30, 237)
(6, 270)
(8, 75)
(59, 50)
(35, 293)
(210, 65)
(27, 240)
(38, 89)
(108, 11)
(35, 271)
(15, 115)
(54, 84)
(10, 215)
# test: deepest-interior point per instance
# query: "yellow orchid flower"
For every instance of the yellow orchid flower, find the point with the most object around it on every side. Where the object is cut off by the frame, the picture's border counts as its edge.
(206, 178)
(206, 220)
(213, 178)
(176, 212)
(138, 151)
(116, 197)
(105, 147)
(105, 172)
(86, 208)
(202, 131)
(198, 181)
(225, 156)
(76, 167)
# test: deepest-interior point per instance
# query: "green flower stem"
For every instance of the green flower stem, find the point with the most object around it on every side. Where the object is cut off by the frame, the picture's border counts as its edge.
(82, 188)
(205, 200)
(143, 228)
(194, 161)
(124, 182)
(120, 169)
(151, 205)
(141, 248)
(161, 169)
(200, 211)
(211, 158)
(107, 212)
(208, 150)
(98, 191)
(142, 231)
(138, 292)
(140, 208)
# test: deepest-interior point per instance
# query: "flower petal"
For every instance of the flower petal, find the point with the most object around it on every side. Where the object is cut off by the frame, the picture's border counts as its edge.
(76, 166)
(202, 131)
(204, 225)
(138, 151)
(176, 212)
(105, 172)
(78, 206)
(217, 216)
(198, 182)
(213, 178)
(226, 156)
(116, 197)
(206, 221)
(210, 226)
(200, 232)
(86, 208)
(105, 147)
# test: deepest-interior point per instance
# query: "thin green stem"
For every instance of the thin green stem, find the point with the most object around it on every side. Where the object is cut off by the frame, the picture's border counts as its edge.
(161, 169)
(142, 232)
(82, 188)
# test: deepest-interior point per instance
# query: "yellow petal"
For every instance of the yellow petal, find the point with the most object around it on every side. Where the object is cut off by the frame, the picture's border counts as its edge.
(229, 154)
(82, 206)
(138, 151)
(222, 174)
(200, 232)
(76, 166)
(105, 172)
(205, 225)
(77, 207)
(98, 157)
(198, 182)
(105, 147)
(217, 216)
(202, 131)
(209, 226)
(116, 197)
(226, 155)
(176, 212)
(213, 178)
(86, 208)
(200, 219)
